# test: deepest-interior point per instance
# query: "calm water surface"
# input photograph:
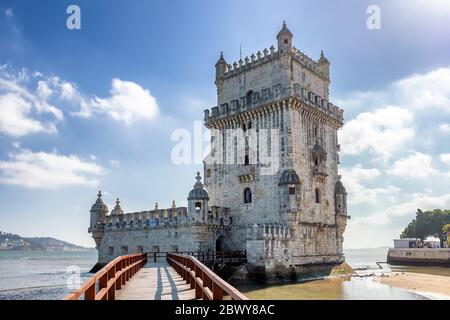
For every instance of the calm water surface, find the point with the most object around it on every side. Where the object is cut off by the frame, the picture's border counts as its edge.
(41, 275)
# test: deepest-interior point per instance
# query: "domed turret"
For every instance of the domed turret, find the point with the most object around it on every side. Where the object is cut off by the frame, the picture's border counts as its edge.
(99, 206)
(99, 210)
(339, 188)
(117, 209)
(289, 176)
(198, 201)
(340, 197)
(324, 65)
(289, 184)
(221, 67)
(284, 38)
(198, 193)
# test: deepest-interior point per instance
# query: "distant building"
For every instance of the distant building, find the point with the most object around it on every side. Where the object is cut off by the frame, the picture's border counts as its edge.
(407, 243)
(290, 221)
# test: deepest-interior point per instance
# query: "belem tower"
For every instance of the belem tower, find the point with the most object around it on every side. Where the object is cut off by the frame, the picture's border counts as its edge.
(289, 213)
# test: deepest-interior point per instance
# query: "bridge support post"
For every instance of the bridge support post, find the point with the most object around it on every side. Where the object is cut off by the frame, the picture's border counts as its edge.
(112, 290)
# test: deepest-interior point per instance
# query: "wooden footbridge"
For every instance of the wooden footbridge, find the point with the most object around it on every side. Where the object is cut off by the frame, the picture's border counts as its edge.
(162, 276)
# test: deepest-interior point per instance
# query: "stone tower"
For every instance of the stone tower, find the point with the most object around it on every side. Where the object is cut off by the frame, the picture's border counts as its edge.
(274, 159)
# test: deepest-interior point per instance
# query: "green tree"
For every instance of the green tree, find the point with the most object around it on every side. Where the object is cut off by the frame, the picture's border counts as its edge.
(427, 223)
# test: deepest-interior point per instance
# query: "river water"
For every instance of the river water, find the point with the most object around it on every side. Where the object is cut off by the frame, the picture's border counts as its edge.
(362, 287)
(46, 275)
(42, 275)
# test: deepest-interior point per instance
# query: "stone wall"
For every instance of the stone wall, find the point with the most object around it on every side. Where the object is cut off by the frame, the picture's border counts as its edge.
(187, 237)
(419, 256)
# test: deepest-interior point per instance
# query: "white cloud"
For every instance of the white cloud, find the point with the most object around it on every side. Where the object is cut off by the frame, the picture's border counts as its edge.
(409, 114)
(445, 127)
(355, 178)
(417, 201)
(27, 102)
(16, 121)
(380, 132)
(24, 111)
(47, 170)
(445, 158)
(127, 102)
(425, 91)
(416, 165)
(388, 126)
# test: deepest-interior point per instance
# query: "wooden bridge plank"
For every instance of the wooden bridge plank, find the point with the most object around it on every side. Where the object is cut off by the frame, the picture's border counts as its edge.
(156, 281)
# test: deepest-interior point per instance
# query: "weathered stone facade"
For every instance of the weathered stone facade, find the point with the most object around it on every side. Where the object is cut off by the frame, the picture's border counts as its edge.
(272, 180)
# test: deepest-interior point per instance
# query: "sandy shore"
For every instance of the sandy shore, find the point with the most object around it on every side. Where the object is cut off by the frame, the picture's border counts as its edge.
(430, 286)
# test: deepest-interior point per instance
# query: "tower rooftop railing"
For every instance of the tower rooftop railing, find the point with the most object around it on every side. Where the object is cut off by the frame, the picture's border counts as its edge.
(265, 56)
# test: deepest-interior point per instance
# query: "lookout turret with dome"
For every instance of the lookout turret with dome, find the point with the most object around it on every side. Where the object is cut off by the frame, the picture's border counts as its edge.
(99, 210)
(284, 39)
(198, 201)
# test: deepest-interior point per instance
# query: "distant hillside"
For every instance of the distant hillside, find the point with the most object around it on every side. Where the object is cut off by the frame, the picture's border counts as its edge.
(14, 242)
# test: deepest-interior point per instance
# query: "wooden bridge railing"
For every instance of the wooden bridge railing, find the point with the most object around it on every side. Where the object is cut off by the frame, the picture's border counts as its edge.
(207, 285)
(206, 257)
(103, 284)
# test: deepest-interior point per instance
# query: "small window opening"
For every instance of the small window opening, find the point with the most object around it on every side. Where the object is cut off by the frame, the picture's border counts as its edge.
(291, 190)
(247, 195)
(317, 195)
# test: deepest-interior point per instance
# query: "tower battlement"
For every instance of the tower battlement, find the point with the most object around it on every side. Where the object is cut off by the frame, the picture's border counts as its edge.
(242, 65)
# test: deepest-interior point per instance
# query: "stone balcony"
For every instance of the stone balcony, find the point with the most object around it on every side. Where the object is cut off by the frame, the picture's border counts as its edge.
(270, 95)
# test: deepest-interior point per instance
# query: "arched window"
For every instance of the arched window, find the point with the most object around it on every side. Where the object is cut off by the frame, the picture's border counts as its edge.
(247, 195)
(248, 98)
(317, 195)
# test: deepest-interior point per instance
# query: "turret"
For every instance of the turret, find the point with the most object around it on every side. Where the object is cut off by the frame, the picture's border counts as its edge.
(117, 209)
(284, 38)
(340, 197)
(221, 67)
(99, 210)
(198, 201)
(323, 65)
(290, 190)
(340, 203)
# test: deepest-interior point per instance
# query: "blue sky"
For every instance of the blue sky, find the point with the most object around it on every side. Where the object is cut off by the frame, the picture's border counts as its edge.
(68, 126)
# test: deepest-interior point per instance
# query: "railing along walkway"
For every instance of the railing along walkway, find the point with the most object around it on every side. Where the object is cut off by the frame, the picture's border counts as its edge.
(156, 281)
(134, 277)
(207, 284)
(103, 284)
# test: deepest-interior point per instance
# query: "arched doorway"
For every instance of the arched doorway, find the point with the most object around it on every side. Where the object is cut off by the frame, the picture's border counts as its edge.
(220, 244)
